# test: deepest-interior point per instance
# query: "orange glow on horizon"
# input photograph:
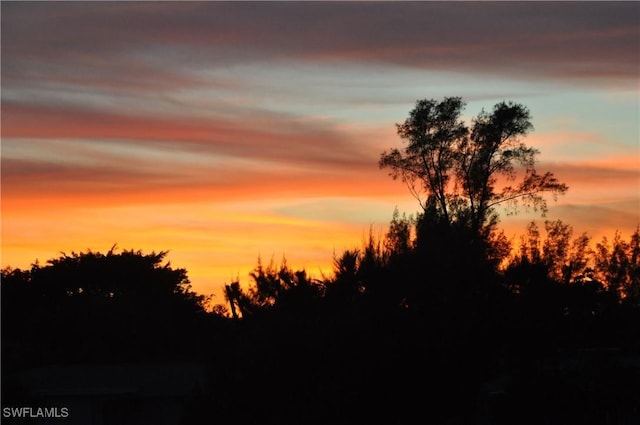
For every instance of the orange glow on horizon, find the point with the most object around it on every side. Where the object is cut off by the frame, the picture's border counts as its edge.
(167, 138)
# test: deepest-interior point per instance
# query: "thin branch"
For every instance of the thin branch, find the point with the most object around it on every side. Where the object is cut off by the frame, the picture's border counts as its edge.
(520, 195)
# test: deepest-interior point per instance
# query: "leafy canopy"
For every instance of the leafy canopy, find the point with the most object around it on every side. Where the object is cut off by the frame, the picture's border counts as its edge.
(465, 172)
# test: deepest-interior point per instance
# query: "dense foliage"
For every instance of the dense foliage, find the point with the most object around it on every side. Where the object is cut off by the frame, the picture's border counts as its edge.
(97, 306)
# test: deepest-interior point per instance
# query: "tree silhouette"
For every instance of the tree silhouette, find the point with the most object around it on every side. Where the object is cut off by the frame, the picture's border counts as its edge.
(467, 172)
(273, 288)
(618, 264)
(89, 306)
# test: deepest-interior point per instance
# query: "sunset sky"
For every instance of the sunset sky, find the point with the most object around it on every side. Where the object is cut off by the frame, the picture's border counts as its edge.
(225, 131)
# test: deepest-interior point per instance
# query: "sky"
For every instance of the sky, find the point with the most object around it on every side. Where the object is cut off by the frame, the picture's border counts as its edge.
(224, 132)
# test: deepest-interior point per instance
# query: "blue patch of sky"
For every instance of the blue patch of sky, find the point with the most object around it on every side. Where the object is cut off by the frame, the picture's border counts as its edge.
(612, 123)
(359, 93)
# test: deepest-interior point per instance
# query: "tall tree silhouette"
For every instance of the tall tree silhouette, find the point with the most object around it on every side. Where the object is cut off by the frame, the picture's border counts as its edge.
(467, 172)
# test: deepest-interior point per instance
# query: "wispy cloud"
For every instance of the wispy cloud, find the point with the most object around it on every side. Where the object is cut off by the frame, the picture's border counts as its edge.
(266, 136)
(536, 39)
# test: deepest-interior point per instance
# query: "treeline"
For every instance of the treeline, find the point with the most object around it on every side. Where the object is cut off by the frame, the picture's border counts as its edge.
(420, 321)
(417, 266)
